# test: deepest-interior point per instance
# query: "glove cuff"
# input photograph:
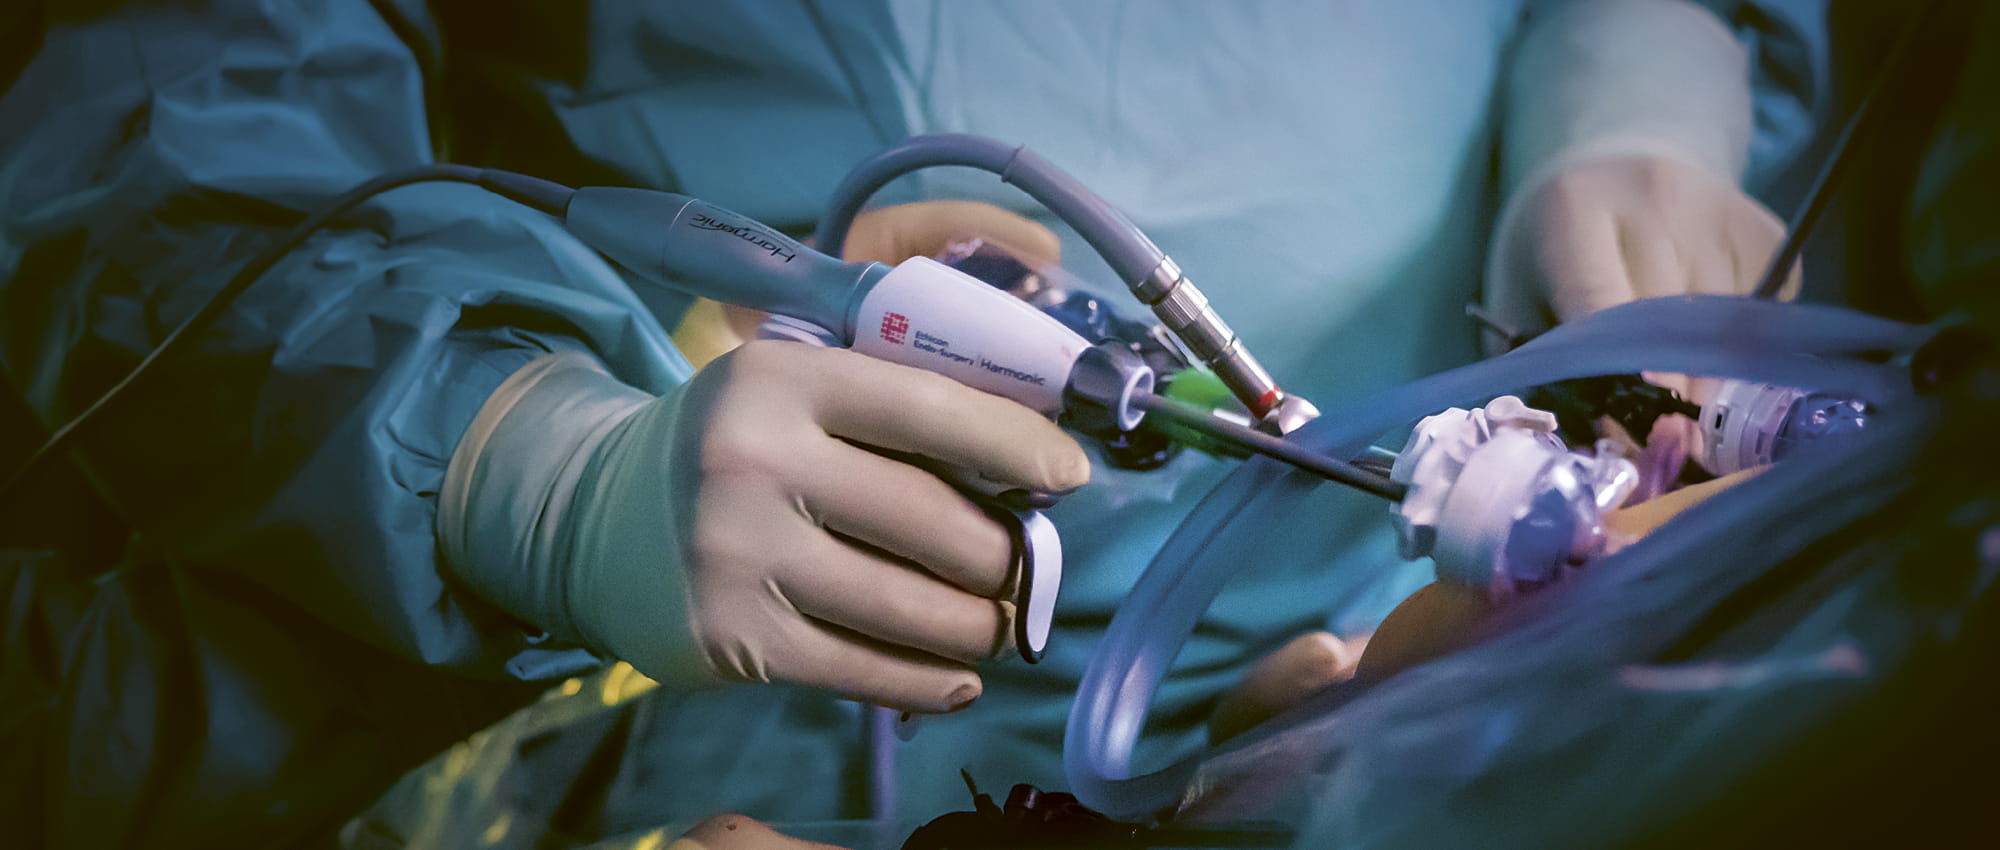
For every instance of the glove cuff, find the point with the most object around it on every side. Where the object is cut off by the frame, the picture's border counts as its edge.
(1606, 80)
(1601, 79)
(513, 481)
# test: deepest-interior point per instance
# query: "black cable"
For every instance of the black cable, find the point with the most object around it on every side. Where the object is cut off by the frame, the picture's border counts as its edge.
(540, 194)
(1277, 448)
(1862, 124)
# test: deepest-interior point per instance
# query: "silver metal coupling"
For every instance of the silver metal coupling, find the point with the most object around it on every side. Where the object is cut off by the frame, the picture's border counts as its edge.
(1185, 311)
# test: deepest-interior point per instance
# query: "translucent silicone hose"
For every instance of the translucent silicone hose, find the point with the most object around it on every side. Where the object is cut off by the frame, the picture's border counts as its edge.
(1796, 345)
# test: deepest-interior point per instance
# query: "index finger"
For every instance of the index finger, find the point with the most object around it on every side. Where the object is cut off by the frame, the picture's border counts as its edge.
(904, 409)
(1582, 263)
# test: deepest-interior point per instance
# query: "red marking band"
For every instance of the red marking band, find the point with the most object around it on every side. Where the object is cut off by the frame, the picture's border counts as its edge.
(1268, 400)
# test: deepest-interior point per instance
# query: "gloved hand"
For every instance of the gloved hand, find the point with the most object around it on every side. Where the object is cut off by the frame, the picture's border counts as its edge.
(739, 528)
(1627, 127)
(1603, 232)
(886, 235)
(736, 832)
(1310, 663)
(897, 233)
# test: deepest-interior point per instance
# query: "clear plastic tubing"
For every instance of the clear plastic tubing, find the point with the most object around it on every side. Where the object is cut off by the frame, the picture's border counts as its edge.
(1805, 346)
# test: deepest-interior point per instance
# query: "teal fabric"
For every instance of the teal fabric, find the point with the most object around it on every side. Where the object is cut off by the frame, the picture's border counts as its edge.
(1951, 224)
(274, 640)
(1323, 170)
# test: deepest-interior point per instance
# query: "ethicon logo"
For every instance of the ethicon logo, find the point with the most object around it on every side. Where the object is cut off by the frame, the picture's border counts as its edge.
(895, 327)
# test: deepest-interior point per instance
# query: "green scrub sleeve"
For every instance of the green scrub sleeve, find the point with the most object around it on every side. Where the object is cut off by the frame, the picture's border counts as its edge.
(265, 636)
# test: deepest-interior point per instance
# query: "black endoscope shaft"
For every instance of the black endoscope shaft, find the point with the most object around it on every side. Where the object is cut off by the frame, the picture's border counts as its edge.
(1251, 439)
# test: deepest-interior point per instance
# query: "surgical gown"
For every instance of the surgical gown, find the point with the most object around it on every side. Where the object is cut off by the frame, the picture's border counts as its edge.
(267, 641)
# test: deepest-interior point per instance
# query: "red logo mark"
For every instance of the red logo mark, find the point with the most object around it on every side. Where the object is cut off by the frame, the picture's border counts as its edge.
(895, 326)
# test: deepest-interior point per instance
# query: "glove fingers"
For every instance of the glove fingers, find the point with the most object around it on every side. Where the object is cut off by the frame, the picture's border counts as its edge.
(899, 408)
(1309, 664)
(1712, 269)
(858, 667)
(910, 513)
(1581, 262)
(1653, 262)
(1756, 235)
(894, 234)
(894, 603)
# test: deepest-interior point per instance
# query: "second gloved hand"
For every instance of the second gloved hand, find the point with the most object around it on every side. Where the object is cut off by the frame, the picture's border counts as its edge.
(740, 528)
(1606, 231)
(1627, 129)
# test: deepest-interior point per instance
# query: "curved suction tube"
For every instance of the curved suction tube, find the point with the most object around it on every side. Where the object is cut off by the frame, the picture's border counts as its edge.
(1791, 344)
(1152, 276)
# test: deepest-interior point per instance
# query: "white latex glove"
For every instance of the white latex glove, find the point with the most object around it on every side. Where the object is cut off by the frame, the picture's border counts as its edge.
(1628, 126)
(736, 528)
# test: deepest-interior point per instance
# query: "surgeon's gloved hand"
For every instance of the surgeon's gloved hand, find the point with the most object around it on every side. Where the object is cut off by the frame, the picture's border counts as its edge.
(896, 233)
(739, 527)
(1627, 128)
(1606, 231)
(1310, 663)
